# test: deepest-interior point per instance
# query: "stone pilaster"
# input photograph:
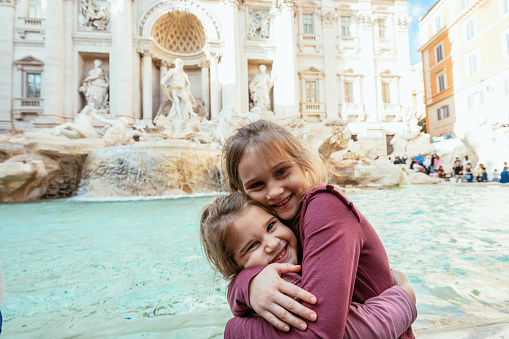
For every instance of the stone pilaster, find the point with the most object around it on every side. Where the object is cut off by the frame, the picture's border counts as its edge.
(69, 70)
(7, 10)
(121, 59)
(147, 85)
(230, 65)
(53, 78)
(205, 84)
(215, 103)
(284, 66)
(162, 72)
(370, 85)
(329, 18)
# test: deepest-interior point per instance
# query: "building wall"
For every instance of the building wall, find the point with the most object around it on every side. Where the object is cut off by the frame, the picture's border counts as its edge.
(479, 60)
(374, 53)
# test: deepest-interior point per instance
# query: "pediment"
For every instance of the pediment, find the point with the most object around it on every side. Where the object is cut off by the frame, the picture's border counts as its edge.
(29, 61)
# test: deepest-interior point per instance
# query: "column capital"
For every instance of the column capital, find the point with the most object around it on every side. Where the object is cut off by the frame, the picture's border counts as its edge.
(144, 51)
(329, 18)
(216, 54)
(233, 3)
(281, 5)
(204, 64)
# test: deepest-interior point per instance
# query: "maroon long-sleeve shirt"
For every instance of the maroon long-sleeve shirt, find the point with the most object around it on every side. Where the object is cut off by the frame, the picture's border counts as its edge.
(343, 260)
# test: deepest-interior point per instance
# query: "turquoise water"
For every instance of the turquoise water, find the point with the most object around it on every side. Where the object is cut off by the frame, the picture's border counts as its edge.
(135, 268)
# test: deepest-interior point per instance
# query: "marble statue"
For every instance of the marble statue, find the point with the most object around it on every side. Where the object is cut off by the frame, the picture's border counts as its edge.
(259, 89)
(82, 126)
(95, 87)
(92, 17)
(178, 90)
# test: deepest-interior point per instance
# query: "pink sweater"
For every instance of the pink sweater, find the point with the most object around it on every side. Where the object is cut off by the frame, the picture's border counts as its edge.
(343, 260)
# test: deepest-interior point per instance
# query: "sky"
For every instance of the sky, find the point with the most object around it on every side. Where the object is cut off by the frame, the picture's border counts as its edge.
(416, 9)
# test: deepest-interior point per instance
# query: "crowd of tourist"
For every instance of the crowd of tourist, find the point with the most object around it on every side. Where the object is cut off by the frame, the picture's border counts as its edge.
(442, 137)
(461, 170)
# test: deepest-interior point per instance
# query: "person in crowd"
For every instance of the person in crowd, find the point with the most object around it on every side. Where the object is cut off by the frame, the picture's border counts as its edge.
(457, 171)
(437, 163)
(343, 259)
(419, 159)
(237, 233)
(469, 172)
(441, 172)
(398, 161)
(504, 176)
(483, 176)
(390, 160)
(466, 161)
(404, 158)
(427, 164)
(2, 291)
(496, 176)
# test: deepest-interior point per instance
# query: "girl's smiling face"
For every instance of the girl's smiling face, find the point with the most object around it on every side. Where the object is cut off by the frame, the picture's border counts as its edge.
(277, 183)
(261, 239)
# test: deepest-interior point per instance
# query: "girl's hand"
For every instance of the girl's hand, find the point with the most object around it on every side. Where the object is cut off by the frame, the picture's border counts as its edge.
(270, 297)
(400, 280)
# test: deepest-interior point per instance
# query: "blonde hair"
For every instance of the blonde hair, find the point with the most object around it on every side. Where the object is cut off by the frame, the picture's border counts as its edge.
(270, 140)
(216, 227)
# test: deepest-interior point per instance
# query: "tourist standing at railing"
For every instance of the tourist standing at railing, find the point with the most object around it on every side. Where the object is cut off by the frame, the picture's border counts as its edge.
(2, 290)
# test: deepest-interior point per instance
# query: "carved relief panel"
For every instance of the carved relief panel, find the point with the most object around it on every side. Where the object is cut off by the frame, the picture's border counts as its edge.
(94, 15)
(258, 24)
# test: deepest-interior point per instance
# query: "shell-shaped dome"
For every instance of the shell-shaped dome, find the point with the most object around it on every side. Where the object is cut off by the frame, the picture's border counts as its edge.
(179, 32)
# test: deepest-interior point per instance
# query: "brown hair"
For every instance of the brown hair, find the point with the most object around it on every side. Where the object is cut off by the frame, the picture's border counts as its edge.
(216, 227)
(269, 140)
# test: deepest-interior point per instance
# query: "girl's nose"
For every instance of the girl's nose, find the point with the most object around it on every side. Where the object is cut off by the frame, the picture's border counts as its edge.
(271, 244)
(274, 191)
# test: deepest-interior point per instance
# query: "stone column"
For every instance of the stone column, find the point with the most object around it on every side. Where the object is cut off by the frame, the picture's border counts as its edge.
(329, 18)
(205, 84)
(230, 64)
(367, 55)
(53, 78)
(7, 11)
(121, 59)
(285, 86)
(162, 72)
(215, 103)
(69, 69)
(147, 85)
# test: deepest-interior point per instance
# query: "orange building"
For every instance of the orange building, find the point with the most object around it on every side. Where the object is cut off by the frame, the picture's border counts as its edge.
(438, 77)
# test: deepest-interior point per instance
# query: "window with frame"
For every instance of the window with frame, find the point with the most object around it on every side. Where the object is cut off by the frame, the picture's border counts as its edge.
(475, 99)
(470, 29)
(33, 85)
(438, 23)
(308, 23)
(472, 63)
(505, 6)
(346, 23)
(349, 91)
(439, 53)
(441, 82)
(311, 91)
(34, 9)
(382, 28)
(386, 92)
(443, 112)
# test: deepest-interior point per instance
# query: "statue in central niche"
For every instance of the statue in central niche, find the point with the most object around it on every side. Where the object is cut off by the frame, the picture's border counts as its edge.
(259, 89)
(178, 89)
(95, 88)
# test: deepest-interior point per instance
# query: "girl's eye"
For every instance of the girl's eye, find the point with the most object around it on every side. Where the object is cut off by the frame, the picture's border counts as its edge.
(253, 245)
(256, 185)
(271, 226)
(281, 171)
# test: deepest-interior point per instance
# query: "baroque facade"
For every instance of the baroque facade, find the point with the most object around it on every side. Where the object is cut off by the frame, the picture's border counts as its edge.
(326, 59)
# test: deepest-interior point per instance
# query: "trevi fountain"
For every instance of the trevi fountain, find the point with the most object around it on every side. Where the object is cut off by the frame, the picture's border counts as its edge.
(102, 181)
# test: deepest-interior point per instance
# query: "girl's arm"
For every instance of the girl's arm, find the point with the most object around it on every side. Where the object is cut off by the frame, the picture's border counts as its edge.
(368, 320)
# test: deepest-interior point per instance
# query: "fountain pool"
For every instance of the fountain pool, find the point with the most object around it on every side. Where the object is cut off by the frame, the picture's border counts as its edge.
(135, 268)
